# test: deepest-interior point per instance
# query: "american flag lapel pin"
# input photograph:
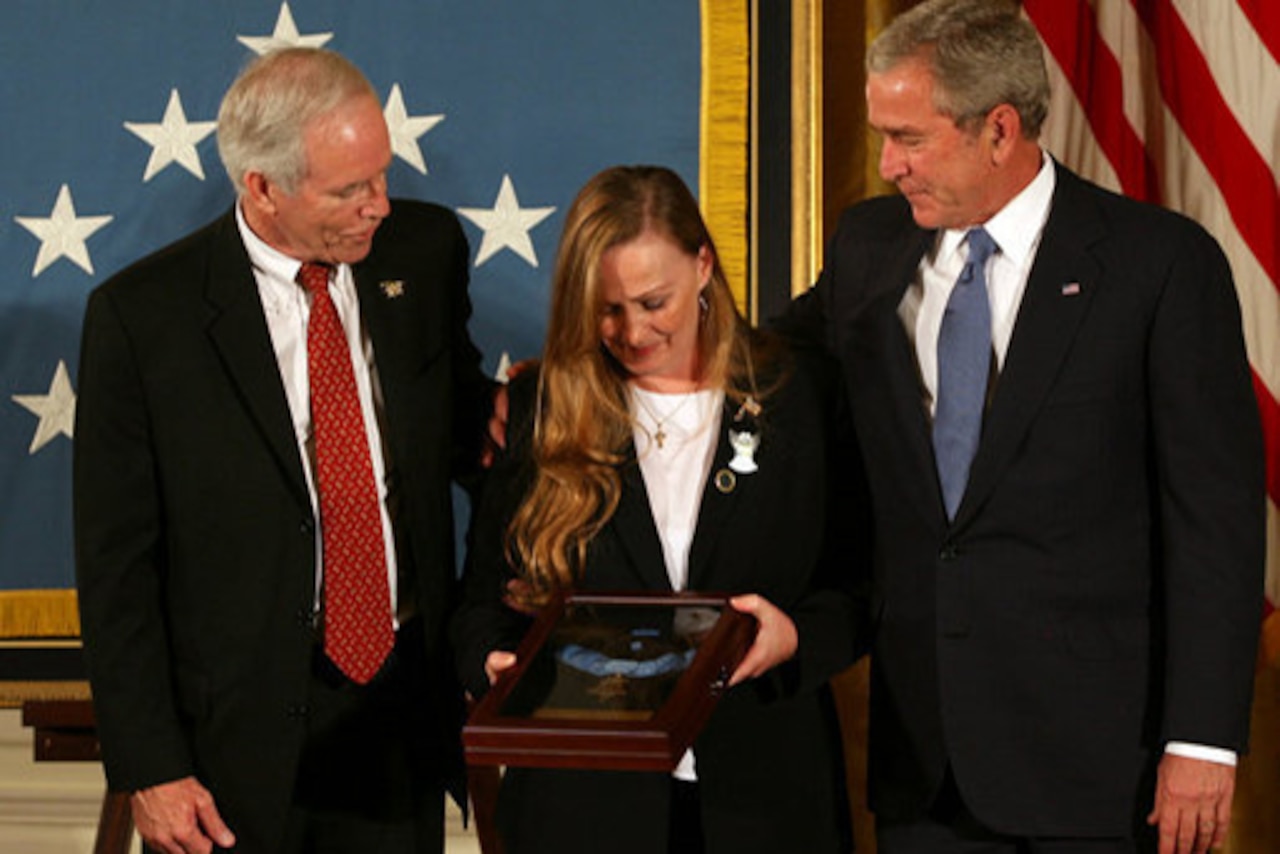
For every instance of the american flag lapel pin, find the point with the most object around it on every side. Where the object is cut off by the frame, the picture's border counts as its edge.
(392, 288)
(1071, 289)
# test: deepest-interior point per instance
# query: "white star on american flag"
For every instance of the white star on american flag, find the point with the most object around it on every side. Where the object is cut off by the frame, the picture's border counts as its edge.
(405, 129)
(62, 234)
(173, 139)
(506, 225)
(57, 409)
(285, 35)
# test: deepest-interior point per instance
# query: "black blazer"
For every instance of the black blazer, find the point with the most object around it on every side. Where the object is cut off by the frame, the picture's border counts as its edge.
(1098, 592)
(195, 537)
(769, 761)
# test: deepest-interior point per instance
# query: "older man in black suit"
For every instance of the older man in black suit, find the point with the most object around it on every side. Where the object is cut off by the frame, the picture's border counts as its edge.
(1053, 403)
(270, 414)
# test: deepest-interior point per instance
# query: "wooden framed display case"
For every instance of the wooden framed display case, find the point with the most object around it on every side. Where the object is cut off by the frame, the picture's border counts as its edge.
(617, 681)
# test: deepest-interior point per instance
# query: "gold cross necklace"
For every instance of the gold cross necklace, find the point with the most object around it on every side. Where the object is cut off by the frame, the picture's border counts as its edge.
(658, 432)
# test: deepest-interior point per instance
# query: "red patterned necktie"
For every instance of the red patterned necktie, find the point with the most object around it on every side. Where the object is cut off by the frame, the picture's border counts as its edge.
(358, 634)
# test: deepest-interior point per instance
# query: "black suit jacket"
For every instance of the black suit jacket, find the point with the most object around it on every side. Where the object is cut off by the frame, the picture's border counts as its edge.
(769, 761)
(1098, 592)
(195, 540)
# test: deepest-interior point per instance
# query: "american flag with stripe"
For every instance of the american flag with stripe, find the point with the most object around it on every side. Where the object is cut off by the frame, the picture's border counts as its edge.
(1175, 102)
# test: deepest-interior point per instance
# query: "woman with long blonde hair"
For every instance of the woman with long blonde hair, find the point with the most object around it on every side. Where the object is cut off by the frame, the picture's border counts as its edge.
(663, 444)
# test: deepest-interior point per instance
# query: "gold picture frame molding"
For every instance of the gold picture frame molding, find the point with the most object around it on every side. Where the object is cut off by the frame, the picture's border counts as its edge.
(724, 136)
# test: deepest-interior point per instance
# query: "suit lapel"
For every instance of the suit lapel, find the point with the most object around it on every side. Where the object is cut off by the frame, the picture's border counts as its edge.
(1059, 292)
(889, 367)
(633, 522)
(633, 525)
(908, 398)
(376, 297)
(397, 312)
(238, 330)
(403, 328)
(716, 506)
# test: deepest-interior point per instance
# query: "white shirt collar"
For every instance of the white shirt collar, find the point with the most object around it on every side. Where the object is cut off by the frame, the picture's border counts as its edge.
(265, 257)
(1016, 227)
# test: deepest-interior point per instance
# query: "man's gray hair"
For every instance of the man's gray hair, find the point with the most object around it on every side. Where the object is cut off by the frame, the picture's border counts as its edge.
(267, 109)
(981, 53)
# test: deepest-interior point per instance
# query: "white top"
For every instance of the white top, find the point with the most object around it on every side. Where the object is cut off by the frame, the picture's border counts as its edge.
(675, 473)
(287, 307)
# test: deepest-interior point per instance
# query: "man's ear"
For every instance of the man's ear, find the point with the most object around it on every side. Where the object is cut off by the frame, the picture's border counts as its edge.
(1004, 127)
(260, 192)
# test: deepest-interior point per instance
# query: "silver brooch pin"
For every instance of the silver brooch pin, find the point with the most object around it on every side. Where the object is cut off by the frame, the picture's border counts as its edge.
(744, 444)
(746, 438)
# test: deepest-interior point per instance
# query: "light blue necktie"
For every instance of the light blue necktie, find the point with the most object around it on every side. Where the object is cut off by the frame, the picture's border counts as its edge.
(964, 361)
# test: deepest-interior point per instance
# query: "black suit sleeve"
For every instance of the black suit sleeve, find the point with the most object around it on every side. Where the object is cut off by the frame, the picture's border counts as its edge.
(831, 613)
(804, 322)
(1211, 495)
(483, 623)
(120, 561)
(474, 390)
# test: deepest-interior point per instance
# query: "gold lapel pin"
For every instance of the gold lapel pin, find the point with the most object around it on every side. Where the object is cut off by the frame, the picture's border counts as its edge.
(726, 481)
(392, 288)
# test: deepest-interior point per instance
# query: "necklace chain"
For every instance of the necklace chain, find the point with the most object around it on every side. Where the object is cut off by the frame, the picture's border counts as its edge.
(658, 433)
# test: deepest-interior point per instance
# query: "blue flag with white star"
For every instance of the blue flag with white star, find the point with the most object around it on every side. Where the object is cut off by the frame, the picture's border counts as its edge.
(498, 109)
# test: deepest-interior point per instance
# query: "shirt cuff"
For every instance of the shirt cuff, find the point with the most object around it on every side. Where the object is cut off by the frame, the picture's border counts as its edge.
(1201, 751)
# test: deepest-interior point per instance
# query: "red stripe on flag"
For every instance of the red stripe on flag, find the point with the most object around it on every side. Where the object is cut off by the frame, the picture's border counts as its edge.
(1265, 17)
(1243, 177)
(1070, 31)
(1270, 411)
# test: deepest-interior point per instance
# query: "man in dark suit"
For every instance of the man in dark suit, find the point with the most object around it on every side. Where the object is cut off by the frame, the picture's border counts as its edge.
(217, 548)
(1069, 509)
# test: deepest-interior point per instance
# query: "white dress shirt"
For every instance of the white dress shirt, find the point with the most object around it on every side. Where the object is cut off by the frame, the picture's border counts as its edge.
(287, 307)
